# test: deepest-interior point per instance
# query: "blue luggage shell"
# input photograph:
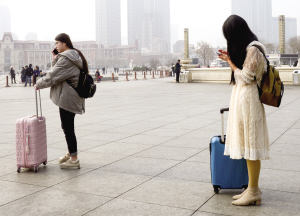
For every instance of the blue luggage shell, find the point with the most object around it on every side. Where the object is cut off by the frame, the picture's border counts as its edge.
(226, 173)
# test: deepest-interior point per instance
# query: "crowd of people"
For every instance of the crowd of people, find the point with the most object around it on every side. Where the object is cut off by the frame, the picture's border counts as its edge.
(28, 75)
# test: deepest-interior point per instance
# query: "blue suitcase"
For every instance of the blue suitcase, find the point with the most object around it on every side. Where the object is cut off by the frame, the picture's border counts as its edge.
(226, 173)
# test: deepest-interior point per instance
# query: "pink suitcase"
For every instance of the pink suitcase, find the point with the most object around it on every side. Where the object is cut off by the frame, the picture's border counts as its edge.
(31, 140)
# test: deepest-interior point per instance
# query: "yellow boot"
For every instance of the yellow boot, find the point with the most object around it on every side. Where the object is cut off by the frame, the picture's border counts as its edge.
(253, 193)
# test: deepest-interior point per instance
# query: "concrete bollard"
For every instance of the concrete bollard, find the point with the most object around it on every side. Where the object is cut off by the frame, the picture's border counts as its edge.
(153, 76)
(127, 76)
(113, 77)
(7, 82)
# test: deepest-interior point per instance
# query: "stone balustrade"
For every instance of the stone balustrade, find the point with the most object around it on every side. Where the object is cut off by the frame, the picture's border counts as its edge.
(223, 75)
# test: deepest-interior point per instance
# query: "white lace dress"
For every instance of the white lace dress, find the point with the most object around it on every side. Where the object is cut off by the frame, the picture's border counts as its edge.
(247, 133)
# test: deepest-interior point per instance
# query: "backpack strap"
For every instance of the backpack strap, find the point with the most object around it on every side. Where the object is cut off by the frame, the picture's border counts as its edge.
(268, 63)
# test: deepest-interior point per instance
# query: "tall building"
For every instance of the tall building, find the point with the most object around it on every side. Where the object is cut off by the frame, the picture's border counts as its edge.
(5, 20)
(258, 15)
(149, 23)
(290, 29)
(108, 22)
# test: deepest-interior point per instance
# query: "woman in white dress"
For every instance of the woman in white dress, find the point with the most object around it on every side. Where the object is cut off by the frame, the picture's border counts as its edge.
(247, 133)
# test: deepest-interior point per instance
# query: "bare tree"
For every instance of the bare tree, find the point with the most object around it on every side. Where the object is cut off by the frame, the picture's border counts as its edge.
(205, 52)
(154, 62)
(293, 45)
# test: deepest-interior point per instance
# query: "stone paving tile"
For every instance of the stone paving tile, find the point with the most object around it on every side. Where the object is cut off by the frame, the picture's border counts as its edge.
(186, 142)
(141, 166)
(7, 149)
(145, 139)
(167, 152)
(48, 175)
(104, 183)
(273, 203)
(120, 148)
(191, 171)
(10, 191)
(280, 180)
(54, 202)
(107, 136)
(285, 149)
(8, 165)
(120, 207)
(171, 192)
(282, 162)
(202, 157)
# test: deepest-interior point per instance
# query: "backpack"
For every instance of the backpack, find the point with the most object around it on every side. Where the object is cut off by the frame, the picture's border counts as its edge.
(86, 87)
(272, 89)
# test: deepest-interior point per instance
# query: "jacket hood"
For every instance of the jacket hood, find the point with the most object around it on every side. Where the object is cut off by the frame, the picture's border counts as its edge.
(257, 44)
(73, 56)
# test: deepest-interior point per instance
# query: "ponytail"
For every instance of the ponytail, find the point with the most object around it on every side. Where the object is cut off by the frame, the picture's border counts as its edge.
(84, 62)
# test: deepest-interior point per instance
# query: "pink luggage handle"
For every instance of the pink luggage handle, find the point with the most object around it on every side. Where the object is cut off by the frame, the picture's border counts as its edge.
(36, 102)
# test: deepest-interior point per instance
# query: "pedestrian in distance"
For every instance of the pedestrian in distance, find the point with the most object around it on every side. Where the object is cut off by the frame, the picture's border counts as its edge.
(173, 69)
(36, 73)
(97, 75)
(66, 65)
(12, 75)
(103, 70)
(29, 72)
(247, 133)
(23, 76)
(177, 70)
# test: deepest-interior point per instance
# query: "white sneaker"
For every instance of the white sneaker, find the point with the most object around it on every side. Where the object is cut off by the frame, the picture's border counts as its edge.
(63, 159)
(69, 164)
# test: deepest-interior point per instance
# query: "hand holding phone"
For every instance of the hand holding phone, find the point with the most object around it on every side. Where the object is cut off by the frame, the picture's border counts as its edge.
(55, 51)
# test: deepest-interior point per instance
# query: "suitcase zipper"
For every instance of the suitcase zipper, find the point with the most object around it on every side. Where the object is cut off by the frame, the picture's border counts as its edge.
(26, 144)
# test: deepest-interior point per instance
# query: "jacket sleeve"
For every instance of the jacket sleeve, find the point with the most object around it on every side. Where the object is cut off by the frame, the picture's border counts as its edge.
(56, 75)
(246, 75)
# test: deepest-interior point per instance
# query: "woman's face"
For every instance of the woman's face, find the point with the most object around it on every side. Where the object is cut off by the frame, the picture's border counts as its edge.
(35, 68)
(60, 46)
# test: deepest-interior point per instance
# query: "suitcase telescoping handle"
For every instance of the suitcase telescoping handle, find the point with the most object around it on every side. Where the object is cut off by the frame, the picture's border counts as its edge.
(36, 102)
(222, 122)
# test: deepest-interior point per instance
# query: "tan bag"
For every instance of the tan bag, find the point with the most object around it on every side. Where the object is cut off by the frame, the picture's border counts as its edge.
(272, 89)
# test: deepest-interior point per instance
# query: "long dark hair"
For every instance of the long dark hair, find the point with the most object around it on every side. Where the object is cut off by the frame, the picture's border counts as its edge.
(238, 35)
(64, 38)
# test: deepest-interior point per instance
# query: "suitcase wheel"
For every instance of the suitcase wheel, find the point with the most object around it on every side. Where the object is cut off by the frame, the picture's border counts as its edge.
(19, 170)
(45, 163)
(216, 188)
(35, 169)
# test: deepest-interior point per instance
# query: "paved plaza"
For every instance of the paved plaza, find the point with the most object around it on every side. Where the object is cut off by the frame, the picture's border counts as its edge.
(143, 149)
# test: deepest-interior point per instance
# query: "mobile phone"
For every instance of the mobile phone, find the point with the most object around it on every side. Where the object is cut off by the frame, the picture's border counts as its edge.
(55, 51)
(218, 53)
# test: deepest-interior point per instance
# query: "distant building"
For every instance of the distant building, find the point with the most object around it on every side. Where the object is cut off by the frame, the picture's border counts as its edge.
(31, 36)
(178, 47)
(18, 53)
(108, 22)
(258, 15)
(5, 20)
(148, 22)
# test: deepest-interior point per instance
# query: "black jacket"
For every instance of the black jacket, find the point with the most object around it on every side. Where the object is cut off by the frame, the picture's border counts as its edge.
(177, 68)
(29, 72)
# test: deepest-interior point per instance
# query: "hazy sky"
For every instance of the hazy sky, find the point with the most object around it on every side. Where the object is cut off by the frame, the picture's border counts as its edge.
(204, 18)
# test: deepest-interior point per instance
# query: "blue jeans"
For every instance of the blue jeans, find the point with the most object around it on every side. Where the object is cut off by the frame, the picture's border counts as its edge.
(28, 77)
